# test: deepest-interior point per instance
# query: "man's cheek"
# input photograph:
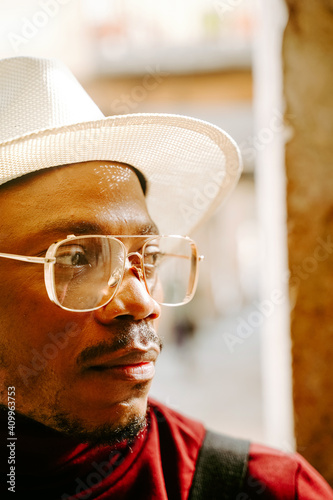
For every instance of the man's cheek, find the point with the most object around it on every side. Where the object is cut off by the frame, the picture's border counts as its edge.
(34, 354)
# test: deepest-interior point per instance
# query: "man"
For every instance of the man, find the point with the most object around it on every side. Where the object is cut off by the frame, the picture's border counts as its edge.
(84, 274)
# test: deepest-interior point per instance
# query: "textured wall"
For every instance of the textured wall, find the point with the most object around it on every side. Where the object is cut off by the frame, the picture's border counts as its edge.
(308, 87)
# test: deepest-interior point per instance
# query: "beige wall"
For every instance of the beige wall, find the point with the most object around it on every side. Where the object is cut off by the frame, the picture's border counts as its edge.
(118, 95)
(308, 88)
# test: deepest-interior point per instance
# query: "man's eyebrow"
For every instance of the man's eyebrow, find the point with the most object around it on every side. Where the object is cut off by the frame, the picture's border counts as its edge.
(150, 228)
(67, 226)
(80, 227)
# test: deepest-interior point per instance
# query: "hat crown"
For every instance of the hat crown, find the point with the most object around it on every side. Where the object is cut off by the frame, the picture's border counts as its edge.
(38, 94)
(47, 119)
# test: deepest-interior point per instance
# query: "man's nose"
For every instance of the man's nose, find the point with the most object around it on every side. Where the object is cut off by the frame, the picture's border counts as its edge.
(132, 299)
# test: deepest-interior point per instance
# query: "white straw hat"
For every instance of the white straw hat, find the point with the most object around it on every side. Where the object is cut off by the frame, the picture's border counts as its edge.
(47, 120)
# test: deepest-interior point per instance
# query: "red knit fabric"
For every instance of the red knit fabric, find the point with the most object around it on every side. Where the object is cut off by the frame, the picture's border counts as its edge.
(273, 474)
(159, 466)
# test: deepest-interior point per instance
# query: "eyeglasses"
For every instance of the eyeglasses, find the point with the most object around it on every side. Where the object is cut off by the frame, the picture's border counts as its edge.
(84, 273)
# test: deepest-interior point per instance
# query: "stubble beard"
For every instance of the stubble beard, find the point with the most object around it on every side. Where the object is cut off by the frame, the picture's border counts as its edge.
(69, 424)
(105, 434)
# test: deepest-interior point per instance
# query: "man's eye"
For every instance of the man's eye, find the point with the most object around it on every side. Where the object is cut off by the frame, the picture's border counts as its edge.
(72, 256)
(153, 256)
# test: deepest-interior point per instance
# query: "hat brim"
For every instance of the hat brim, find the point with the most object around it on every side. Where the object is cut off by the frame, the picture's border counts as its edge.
(191, 166)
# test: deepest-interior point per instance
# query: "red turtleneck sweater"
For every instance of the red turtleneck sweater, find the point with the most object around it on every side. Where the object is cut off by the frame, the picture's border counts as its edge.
(158, 466)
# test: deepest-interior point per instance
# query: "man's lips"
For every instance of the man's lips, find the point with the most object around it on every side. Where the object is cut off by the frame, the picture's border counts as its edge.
(135, 365)
(138, 372)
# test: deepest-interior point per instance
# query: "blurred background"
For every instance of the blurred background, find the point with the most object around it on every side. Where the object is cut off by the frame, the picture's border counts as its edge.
(242, 356)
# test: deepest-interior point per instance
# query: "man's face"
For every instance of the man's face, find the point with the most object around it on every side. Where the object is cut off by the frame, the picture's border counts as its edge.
(63, 364)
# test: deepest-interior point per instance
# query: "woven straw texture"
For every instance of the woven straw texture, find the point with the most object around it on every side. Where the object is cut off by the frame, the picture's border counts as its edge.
(47, 119)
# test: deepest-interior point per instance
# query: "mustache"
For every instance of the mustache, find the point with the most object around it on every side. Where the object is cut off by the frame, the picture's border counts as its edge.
(126, 337)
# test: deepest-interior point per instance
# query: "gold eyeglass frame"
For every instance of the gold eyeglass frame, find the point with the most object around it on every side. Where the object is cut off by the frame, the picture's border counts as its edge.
(49, 262)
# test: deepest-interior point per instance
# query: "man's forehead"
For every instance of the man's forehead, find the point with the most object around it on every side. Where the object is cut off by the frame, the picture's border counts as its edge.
(109, 173)
(89, 198)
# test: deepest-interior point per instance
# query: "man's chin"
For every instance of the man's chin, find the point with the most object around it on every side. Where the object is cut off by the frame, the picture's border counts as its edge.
(105, 434)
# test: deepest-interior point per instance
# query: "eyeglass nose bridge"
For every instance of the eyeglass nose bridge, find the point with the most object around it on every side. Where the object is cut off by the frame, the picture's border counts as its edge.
(135, 263)
(129, 264)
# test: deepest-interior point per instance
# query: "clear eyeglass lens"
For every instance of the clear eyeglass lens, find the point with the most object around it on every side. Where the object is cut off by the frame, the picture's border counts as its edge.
(88, 270)
(169, 266)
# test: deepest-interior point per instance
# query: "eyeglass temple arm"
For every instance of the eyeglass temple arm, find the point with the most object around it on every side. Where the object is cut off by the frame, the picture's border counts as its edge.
(26, 258)
(200, 257)
(44, 260)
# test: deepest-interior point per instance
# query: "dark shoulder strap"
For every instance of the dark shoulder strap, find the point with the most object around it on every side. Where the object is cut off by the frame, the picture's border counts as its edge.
(220, 469)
